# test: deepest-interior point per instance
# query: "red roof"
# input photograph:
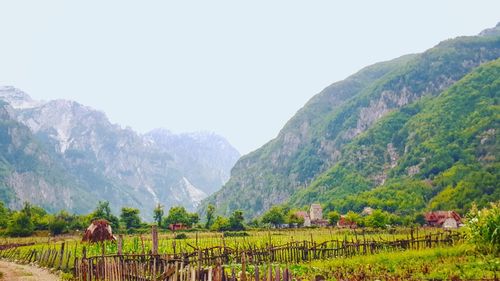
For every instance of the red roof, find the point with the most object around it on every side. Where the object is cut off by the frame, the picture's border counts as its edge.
(437, 218)
(302, 214)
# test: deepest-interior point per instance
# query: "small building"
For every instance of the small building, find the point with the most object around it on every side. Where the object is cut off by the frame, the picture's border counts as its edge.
(177, 226)
(367, 211)
(344, 223)
(305, 216)
(316, 212)
(444, 219)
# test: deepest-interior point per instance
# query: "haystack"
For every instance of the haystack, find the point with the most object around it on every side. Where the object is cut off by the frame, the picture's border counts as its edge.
(98, 231)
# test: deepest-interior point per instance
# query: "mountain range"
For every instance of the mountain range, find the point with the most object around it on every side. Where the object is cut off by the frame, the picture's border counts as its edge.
(414, 133)
(61, 154)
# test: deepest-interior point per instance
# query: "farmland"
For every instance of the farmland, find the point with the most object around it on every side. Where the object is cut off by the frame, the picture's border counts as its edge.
(328, 253)
(394, 260)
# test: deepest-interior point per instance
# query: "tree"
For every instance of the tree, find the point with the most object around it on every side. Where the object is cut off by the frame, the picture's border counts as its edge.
(103, 211)
(274, 216)
(292, 218)
(57, 225)
(210, 216)
(352, 217)
(221, 224)
(130, 217)
(333, 217)
(180, 215)
(158, 214)
(377, 219)
(236, 221)
(194, 218)
(4, 215)
(20, 224)
(420, 219)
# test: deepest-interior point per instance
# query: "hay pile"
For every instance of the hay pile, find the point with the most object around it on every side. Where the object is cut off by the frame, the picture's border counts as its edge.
(98, 231)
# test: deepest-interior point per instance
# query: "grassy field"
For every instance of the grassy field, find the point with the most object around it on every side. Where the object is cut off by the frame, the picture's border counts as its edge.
(133, 244)
(453, 263)
(459, 262)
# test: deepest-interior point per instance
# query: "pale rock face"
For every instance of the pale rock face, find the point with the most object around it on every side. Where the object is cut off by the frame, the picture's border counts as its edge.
(117, 164)
(17, 98)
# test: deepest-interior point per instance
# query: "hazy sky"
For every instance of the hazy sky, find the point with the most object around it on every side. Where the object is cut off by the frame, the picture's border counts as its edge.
(237, 68)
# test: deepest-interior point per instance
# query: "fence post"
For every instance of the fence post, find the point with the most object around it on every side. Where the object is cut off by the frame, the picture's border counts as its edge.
(154, 233)
(61, 257)
(120, 245)
(243, 267)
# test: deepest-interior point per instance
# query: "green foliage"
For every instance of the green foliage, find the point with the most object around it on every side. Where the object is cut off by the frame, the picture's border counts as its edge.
(448, 142)
(236, 234)
(4, 216)
(483, 228)
(103, 211)
(292, 218)
(274, 216)
(221, 224)
(336, 146)
(57, 225)
(20, 225)
(333, 217)
(180, 215)
(236, 221)
(130, 217)
(377, 219)
(353, 217)
(210, 216)
(158, 214)
(181, 236)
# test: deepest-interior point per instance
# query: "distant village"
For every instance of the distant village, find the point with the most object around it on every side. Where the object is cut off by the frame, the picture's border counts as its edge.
(314, 218)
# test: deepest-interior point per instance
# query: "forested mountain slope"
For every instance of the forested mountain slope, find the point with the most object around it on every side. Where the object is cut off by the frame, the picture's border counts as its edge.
(438, 153)
(315, 139)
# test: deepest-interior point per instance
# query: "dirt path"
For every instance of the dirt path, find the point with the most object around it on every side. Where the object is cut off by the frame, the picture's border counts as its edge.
(18, 272)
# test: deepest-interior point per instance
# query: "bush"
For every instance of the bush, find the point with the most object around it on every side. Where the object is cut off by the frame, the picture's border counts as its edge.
(236, 234)
(181, 236)
(20, 225)
(483, 228)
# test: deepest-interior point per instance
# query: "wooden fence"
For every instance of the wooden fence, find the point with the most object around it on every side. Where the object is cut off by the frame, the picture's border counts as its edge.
(211, 263)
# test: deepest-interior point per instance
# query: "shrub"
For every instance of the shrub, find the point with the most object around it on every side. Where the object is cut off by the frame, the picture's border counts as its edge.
(236, 234)
(483, 228)
(181, 236)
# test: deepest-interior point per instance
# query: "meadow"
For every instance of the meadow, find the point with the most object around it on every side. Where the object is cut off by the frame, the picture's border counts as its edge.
(394, 261)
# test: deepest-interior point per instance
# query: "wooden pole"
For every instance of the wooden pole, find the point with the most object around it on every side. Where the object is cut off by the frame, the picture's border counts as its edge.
(154, 234)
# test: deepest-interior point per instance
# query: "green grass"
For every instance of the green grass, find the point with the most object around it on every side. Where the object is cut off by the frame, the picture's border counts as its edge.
(439, 263)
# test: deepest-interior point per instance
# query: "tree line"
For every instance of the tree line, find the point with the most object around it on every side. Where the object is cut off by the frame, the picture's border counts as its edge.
(31, 218)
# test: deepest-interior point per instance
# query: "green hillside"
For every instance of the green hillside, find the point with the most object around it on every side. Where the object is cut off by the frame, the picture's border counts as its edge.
(438, 153)
(322, 136)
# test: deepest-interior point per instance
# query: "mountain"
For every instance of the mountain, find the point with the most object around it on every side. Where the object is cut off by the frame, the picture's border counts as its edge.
(120, 165)
(205, 158)
(304, 162)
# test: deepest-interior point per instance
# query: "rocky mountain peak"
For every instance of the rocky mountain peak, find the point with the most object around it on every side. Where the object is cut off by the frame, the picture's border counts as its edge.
(17, 98)
(494, 31)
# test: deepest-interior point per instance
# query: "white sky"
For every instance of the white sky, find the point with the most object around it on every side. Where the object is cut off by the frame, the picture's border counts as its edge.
(237, 68)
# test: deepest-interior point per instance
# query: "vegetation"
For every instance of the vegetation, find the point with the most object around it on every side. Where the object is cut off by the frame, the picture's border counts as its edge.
(484, 229)
(445, 149)
(337, 146)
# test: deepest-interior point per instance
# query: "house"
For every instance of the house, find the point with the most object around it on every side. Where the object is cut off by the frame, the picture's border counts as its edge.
(316, 212)
(444, 219)
(316, 215)
(305, 216)
(177, 226)
(344, 223)
(367, 211)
